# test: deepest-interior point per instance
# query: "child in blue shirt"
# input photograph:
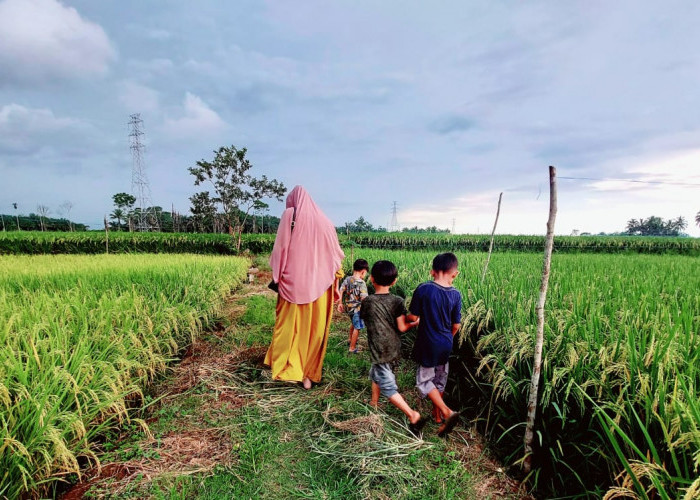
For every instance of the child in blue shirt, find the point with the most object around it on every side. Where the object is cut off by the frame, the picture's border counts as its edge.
(438, 305)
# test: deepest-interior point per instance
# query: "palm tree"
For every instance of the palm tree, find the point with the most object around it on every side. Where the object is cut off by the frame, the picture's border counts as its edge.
(119, 215)
(697, 219)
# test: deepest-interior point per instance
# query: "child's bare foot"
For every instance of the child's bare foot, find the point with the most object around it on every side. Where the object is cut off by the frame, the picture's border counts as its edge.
(306, 383)
(374, 404)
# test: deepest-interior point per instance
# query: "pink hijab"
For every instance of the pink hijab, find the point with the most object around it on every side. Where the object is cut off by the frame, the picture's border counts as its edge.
(306, 257)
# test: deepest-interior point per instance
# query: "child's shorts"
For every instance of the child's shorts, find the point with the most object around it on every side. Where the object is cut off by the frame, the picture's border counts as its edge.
(382, 374)
(357, 321)
(433, 377)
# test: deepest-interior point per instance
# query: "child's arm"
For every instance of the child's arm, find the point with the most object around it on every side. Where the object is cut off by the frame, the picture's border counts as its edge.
(338, 295)
(405, 323)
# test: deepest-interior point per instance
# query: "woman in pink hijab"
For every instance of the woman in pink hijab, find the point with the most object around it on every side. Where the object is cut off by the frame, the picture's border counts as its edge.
(306, 262)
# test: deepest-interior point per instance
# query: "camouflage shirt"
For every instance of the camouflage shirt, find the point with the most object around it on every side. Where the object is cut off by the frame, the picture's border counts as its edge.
(353, 291)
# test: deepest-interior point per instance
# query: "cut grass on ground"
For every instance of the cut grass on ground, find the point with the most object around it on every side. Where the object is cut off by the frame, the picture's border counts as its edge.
(221, 428)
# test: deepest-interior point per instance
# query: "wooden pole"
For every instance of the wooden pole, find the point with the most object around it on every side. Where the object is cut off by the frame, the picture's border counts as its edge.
(537, 362)
(106, 236)
(498, 211)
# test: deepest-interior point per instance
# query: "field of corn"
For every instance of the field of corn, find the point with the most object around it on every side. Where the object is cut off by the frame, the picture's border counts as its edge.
(620, 406)
(95, 242)
(80, 336)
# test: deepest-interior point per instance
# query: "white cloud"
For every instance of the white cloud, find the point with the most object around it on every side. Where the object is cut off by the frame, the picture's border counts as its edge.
(43, 40)
(197, 119)
(138, 98)
(27, 130)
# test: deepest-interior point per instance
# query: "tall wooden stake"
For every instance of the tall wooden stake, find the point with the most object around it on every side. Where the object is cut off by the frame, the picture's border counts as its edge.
(498, 211)
(106, 236)
(537, 362)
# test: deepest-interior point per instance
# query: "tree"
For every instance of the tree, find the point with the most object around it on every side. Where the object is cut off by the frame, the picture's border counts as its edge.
(64, 209)
(235, 190)
(203, 211)
(14, 205)
(43, 212)
(124, 203)
(260, 207)
(118, 214)
(697, 219)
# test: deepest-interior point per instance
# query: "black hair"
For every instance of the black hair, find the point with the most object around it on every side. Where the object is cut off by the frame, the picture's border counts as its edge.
(444, 262)
(384, 272)
(360, 265)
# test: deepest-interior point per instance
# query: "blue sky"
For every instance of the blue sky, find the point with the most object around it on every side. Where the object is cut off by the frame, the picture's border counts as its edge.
(438, 107)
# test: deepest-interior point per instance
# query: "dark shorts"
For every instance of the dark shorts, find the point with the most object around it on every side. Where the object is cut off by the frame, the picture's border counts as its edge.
(357, 321)
(429, 378)
(382, 374)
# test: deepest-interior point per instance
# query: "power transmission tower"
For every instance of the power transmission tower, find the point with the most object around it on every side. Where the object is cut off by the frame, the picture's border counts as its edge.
(453, 226)
(394, 225)
(146, 218)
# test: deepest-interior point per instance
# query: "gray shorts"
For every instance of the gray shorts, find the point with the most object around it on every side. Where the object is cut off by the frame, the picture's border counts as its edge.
(429, 378)
(383, 375)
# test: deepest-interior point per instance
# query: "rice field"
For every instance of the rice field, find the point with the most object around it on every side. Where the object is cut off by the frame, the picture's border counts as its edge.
(80, 336)
(619, 402)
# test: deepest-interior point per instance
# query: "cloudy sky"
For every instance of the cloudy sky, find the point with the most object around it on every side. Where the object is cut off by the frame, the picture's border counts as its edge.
(439, 107)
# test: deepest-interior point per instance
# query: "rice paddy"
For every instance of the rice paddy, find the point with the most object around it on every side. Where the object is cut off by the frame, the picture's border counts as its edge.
(79, 338)
(621, 368)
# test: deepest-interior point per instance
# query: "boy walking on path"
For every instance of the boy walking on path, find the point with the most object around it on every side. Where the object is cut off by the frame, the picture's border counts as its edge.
(438, 305)
(385, 316)
(353, 291)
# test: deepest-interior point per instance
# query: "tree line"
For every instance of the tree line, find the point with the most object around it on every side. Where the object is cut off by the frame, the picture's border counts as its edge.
(363, 226)
(656, 226)
(40, 221)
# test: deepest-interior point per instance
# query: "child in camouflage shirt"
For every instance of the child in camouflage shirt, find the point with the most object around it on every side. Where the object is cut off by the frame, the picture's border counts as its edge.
(353, 291)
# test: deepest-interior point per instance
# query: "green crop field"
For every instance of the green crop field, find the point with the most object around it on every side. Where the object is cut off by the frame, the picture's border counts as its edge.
(621, 365)
(95, 242)
(79, 337)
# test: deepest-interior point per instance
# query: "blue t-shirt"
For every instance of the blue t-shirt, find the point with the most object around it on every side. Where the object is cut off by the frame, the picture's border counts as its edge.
(439, 308)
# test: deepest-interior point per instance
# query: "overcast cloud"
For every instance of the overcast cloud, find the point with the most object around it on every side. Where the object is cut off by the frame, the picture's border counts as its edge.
(437, 107)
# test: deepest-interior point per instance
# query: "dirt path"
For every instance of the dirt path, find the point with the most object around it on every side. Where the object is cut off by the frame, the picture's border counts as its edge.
(218, 427)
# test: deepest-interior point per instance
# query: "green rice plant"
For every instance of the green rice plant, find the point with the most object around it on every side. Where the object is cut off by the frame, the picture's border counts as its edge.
(622, 333)
(80, 337)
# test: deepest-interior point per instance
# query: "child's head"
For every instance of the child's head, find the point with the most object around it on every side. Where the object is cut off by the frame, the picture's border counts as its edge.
(445, 262)
(360, 265)
(384, 273)
(445, 267)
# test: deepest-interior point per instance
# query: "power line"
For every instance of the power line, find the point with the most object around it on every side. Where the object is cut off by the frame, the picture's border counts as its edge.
(630, 180)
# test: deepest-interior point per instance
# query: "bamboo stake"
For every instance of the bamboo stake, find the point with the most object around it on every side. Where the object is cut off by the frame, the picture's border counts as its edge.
(498, 211)
(537, 362)
(106, 236)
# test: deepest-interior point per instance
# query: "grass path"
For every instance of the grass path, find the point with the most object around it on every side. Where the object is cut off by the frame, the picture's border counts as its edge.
(219, 427)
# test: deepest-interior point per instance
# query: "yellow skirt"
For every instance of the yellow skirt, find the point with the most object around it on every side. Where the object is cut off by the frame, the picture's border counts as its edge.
(300, 338)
